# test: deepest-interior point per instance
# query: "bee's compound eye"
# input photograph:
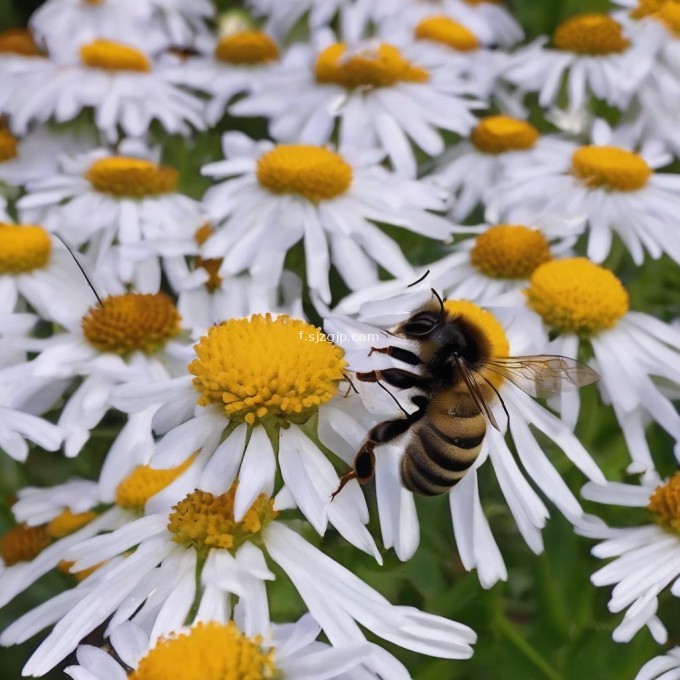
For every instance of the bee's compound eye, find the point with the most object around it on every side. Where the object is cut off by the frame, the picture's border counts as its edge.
(421, 324)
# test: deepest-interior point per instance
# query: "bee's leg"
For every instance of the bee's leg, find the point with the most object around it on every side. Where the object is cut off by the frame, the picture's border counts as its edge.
(399, 353)
(363, 468)
(397, 377)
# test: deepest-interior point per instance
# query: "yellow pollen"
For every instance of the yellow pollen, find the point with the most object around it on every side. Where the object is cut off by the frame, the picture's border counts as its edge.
(67, 522)
(93, 2)
(247, 48)
(611, 168)
(314, 172)
(131, 177)
(113, 56)
(508, 251)
(577, 296)
(133, 322)
(144, 482)
(18, 41)
(8, 145)
(23, 248)
(265, 368)
(665, 503)
(591, 34)
(380, 67)
(204, 521)
(490, 329)
(207, 651)
(446, 31)
(498, 134)
(23, 543)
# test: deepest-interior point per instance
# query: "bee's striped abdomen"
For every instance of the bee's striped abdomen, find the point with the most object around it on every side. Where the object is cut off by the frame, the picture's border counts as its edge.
(441, 451)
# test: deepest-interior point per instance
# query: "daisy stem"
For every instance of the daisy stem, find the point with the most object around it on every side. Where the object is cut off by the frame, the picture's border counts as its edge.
(511, 633)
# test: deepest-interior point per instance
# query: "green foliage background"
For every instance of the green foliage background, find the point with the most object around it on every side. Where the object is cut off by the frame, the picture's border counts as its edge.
(547, 622)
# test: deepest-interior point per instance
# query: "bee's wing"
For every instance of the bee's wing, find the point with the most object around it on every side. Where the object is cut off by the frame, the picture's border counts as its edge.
(471, 379)
(543, 375)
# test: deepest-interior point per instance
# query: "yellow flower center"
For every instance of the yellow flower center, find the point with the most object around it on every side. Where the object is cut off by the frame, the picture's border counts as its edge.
(264, 368)
(610, 168)
(133, 322)
(18, 41)
(204, 521)
(23, 248)
(577, 296)
(509, 251)
(131, 177)
(498, 134)
(67, 522)
(446, 31)
(665, 503)
(207, 651)
(489, 331)
(144, 482)
(8, 145)
(592, 34)
(23, 543)
(247, 48)
(114, 56)
(380, 67)
(314, 172)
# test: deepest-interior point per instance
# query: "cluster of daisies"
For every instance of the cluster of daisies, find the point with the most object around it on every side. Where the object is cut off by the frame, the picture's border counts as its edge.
(214, 347)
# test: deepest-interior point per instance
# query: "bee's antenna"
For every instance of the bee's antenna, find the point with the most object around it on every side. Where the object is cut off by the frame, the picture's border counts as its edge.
(422, 278)
(80, 266)
(441, 302)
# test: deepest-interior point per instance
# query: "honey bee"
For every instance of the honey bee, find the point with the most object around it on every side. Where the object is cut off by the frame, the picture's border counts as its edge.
(457, 381)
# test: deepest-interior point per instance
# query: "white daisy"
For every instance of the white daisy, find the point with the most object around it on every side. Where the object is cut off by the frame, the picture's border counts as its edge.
(231, 67)
(500, 259)
(64, 26)
(128, 337)
(186, 23)
(646, 557)
(100, 199)
(277, 195)
(288, 649)
(180, 551)
(253, 398)
(126, 90)
(593, 55)
(586, 306)
(377, 96)
(34, 265)
(51, 520)
(498, 146)
(473, 536)
(614, 187)
(665, 667)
